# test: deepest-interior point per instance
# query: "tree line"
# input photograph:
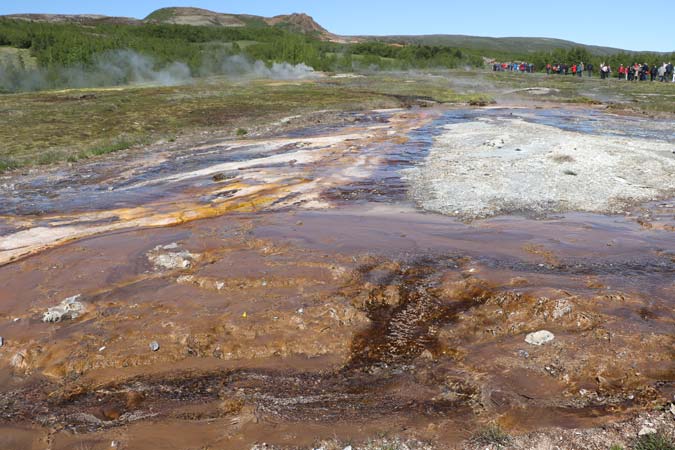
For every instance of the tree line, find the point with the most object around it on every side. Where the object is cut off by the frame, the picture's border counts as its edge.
(59, 45)
(578, 55)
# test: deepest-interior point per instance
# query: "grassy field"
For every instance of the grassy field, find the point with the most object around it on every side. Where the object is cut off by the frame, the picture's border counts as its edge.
(50, 127)
(617, 94)
(56, 126)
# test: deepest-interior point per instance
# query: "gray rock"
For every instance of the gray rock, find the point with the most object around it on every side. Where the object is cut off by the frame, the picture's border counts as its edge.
(70, 308)
(645, 430)
(154, 346)
(562, 308)
(164, 259)
(539, 337)
(18, 361)
(2, 341)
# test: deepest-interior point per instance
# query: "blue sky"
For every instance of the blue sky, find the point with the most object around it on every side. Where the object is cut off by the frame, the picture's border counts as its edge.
(612, 23)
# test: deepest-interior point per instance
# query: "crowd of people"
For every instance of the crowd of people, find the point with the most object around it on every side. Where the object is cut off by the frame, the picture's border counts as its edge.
(642, 72)
(513, 67)
(565, 69)
(636, 72)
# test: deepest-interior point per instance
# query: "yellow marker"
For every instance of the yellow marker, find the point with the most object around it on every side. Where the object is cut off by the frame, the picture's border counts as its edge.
(244, 315)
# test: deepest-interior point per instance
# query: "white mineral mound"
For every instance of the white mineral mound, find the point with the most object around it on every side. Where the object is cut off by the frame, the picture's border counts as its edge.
(500, 166)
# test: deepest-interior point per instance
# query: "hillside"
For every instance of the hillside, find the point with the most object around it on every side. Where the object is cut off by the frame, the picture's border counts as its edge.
(83, 19)
(297, 22)
(519, 45)
(305, 24)
(195, 17)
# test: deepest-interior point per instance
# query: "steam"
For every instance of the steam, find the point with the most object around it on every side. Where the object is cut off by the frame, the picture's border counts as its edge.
(123, 67)
(240, 66)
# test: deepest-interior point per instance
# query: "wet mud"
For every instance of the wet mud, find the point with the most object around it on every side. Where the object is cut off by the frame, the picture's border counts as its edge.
(295, 292)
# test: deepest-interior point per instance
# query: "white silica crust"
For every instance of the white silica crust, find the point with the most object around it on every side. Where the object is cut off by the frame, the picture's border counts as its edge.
(501, 166)
(539, 338)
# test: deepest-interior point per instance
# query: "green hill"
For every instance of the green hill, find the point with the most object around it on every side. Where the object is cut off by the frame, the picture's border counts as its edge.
(517, 45)
(304, 24)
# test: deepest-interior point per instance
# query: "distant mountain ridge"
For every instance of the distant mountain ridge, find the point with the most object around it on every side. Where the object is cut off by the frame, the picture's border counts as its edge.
(501, 44)
(303, 23)
(296, 22)
(83, 19)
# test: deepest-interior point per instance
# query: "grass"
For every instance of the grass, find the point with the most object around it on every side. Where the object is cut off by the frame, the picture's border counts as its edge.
(162, 15)
(642, 96)
(15, 55)
(50, 127)
(492, 435)
(656, 441)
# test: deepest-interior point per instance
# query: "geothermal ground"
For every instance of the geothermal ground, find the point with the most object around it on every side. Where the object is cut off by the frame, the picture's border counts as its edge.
(371, 280)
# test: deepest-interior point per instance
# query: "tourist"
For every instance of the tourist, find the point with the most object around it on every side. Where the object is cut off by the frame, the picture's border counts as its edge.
(662, 72)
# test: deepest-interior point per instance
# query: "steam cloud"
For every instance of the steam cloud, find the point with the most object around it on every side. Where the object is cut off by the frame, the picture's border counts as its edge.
(128, 67)
(240, 66)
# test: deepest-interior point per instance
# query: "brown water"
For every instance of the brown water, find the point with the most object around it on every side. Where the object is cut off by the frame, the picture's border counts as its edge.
(318, 302)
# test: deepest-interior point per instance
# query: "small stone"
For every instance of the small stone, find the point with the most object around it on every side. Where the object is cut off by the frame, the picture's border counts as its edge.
(562, 308)
(18, 361)
(672, 409)
(2, 341)
(221, 177)
(426, 354)
(523, 353)
(154, 346)
(70, 308)
(539, 337)
(349, 447)
(646, 430)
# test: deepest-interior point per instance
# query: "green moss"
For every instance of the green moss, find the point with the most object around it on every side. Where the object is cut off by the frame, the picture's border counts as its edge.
(491, 435)
(49, 127)
(656, 441)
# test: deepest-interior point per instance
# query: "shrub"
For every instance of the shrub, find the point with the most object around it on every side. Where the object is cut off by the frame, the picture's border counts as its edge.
(656, 441)
(492, 435)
